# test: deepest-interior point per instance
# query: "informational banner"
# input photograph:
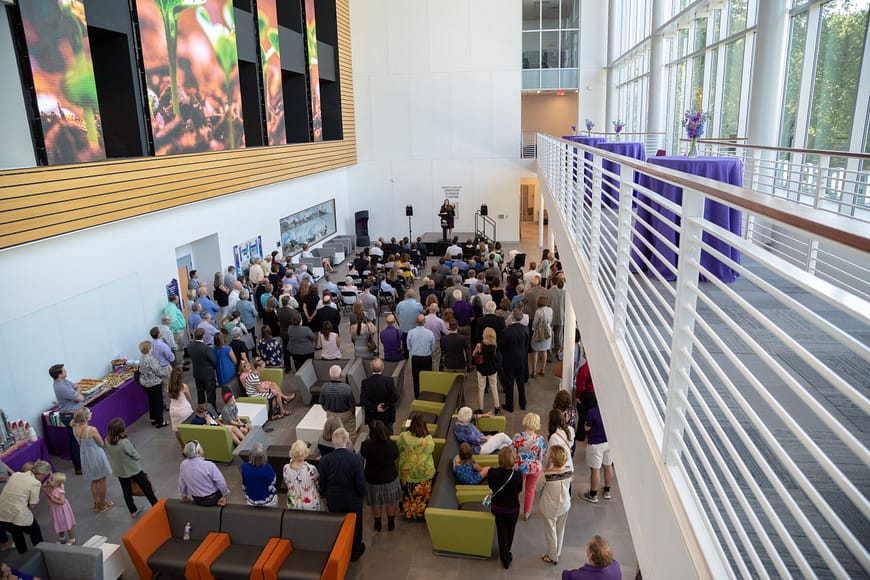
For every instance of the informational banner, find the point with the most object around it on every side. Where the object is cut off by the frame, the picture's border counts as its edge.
(172, 289)
(313, 70)
(59, 54)
(192, 72)
(243, 253)
(451, 193)
(270, 54)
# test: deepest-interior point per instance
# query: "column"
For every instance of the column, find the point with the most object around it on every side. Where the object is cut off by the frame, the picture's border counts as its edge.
(656, 101)
(541, 220)
(611, 106)
(567, 381)
(768, 74)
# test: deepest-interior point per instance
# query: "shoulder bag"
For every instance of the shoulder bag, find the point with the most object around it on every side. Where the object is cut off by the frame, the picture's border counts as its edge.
(487, 500)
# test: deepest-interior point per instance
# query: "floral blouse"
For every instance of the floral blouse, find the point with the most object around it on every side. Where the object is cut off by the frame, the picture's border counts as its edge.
(302, 492)
(270, 351)
(415, 458)
(530, 451)
(466, 475)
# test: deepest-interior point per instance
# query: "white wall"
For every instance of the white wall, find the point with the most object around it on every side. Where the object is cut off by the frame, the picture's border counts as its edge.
(16, 147)
(86, 297)
(437, 96)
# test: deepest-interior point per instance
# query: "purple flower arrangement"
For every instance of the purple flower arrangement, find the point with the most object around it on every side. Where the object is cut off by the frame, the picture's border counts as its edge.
(573, 129)
(695, 122)
(618, 126)
(589, 124)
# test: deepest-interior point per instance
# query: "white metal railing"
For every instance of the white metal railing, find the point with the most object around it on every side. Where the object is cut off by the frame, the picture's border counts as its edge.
(833, 181)
(759, 388)
(529, 145)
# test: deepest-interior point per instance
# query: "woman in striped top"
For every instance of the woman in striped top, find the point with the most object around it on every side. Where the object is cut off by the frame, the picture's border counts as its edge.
(254, 387)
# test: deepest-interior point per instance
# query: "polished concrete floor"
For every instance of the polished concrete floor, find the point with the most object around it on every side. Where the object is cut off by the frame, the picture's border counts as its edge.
(404, 553)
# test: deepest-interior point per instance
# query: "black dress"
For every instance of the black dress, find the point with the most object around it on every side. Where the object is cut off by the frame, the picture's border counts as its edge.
(505, 507)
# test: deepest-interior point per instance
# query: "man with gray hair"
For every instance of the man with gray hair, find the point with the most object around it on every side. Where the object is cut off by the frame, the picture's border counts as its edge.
(514, 345)
(336, 398)
(168, 337)
(343, 485)
(378, 396)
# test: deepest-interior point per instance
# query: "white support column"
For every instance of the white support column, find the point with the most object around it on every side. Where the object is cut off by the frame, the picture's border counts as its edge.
(611, 108)
(768, 73)
(657, 74)
(567, 381)
(541, 219)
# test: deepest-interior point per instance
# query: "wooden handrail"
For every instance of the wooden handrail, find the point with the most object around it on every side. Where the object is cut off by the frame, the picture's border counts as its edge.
(835, 227)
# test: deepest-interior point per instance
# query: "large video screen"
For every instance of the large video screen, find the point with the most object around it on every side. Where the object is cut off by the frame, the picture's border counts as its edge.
(308, 226)
(56, 32)
(192, 73)
(313, 69)
(270, 53)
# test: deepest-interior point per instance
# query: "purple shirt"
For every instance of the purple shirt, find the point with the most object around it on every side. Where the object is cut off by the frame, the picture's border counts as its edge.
(210, 331)
(200, 478)
(596, 431)
(590, 572)
(463, 312)
(436, 325)
(162, 352)
(391, 338)
(470, 434)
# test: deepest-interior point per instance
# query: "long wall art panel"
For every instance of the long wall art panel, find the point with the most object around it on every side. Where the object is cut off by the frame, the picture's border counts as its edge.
(308, 226)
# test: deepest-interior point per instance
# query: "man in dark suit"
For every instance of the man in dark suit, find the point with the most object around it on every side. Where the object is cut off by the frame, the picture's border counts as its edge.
(378, 396)
(514, 344)
(204, 361)
(343, 484)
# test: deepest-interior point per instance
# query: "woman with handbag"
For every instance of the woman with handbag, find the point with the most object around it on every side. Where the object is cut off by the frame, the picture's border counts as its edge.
(542, 335)
(506, 485)
(125, 464)
(487, 360)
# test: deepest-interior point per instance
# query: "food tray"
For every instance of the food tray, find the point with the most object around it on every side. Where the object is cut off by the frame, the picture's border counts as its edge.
(87, 389)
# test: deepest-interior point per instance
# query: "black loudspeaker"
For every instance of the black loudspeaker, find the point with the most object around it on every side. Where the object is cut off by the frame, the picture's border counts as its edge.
(409, 210)
(484, 210)
(361, 223)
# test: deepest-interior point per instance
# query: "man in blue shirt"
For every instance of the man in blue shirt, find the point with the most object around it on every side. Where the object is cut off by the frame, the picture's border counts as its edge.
(331, 286)
(160, 349)
(69, 400)
(195, 317)
(209, 328)
(207, 304)
(407, 311)
(421, 345)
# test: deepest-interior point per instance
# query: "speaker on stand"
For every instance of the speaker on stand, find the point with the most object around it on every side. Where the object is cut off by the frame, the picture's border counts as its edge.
(361, 224)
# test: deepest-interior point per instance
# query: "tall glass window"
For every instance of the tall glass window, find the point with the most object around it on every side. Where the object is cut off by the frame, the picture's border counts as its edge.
(797, 46)
(838, 67)
(551, 44)
(731, 96)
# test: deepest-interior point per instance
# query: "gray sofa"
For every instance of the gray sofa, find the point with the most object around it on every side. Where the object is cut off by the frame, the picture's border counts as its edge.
(361, 369)
(309, 379)
(61, 562)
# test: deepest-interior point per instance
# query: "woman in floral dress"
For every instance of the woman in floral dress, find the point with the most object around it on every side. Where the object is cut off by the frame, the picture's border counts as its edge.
(530, 448)
(302, 480)
(416, 467)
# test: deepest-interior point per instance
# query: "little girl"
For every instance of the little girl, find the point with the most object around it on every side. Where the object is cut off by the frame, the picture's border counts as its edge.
(467, 471)
(62, 518)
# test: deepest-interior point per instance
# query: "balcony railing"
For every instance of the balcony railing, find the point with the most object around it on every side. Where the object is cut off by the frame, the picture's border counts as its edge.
(742, 406)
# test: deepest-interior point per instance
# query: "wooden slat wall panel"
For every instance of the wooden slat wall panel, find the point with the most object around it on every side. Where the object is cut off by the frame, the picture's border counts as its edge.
(43, 202)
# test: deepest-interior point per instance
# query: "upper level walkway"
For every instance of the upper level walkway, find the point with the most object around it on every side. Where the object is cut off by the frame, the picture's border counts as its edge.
(737, 404)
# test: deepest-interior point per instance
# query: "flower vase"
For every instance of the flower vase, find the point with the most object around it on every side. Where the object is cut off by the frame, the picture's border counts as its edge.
(616, 138)
(693, 148)
(588, 132)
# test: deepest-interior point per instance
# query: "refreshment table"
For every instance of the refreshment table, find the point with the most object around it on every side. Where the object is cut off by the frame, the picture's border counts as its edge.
(127, 401)
(25, 451)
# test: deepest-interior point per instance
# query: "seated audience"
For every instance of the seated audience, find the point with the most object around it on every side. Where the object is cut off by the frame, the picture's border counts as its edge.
(258, 479)
(466, 432)
(230, 414)
(205, 417)
(200, 480)
(466, 469)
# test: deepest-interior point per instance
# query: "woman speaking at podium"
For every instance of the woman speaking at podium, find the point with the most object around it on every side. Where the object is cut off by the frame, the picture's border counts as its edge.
(447, 214)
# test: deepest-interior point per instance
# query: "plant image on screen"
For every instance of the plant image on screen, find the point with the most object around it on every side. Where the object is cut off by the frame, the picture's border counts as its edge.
(313, 70)
(63, 75)
(267, 16)
(192, 72)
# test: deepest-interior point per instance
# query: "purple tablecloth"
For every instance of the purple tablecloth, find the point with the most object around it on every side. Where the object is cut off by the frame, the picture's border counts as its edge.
(586, 140)
(128, 401)
(29, 451)
(724, 169)
(610, 185)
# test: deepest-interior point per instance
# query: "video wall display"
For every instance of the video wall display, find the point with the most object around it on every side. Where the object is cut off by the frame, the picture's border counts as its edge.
(192, 74)
(313, 70)
(270, 54)
(308, 226)
(56, 34)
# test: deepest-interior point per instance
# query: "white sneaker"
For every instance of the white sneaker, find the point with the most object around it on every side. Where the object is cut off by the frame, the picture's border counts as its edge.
(589, 497)
(608, 495)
